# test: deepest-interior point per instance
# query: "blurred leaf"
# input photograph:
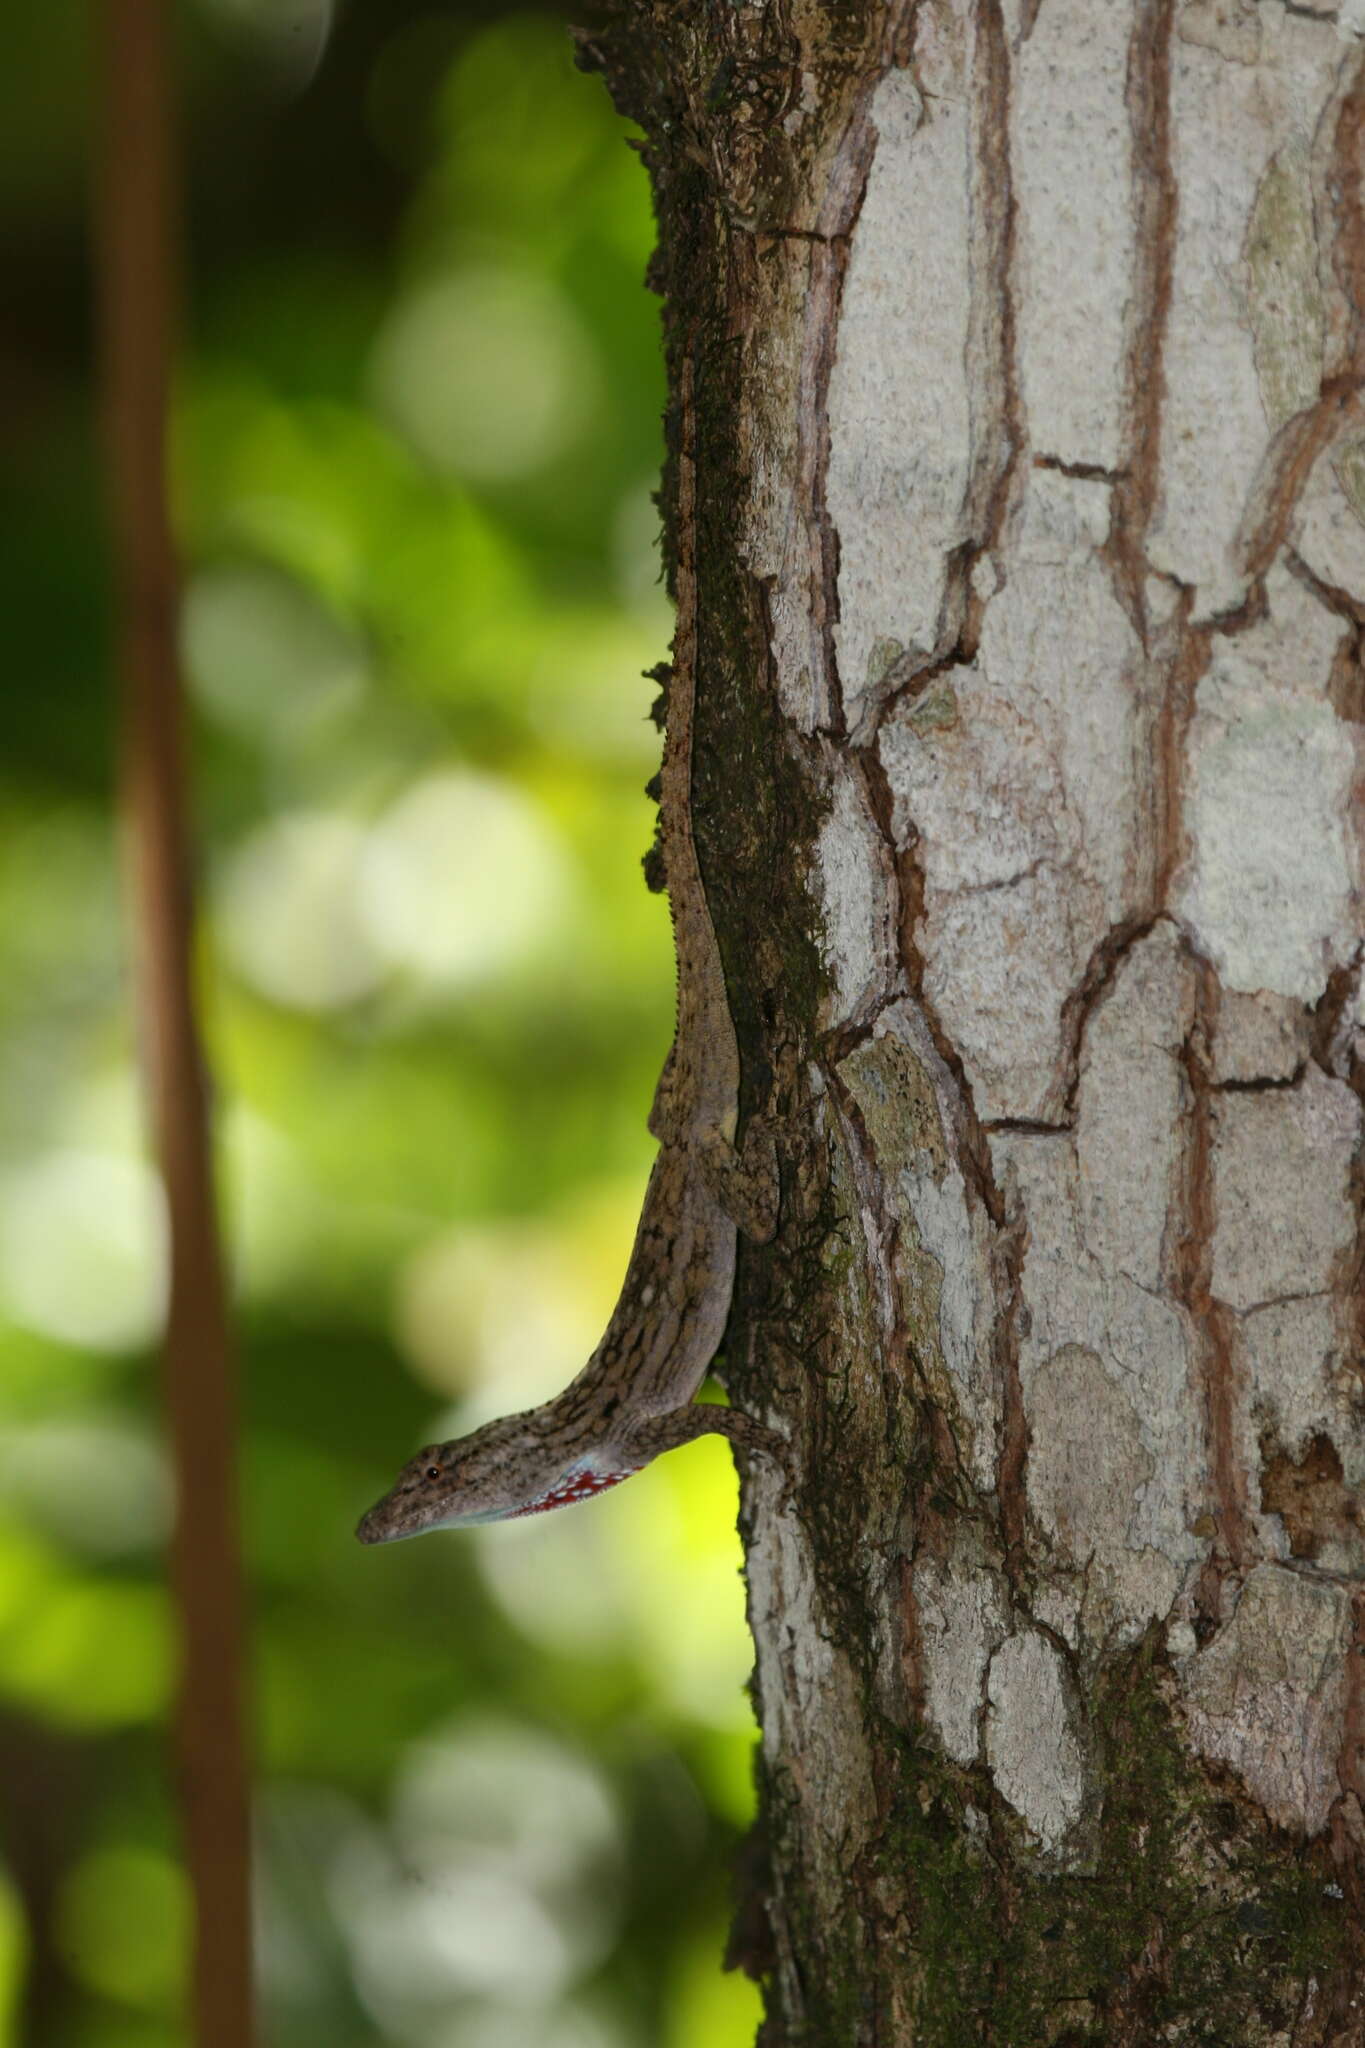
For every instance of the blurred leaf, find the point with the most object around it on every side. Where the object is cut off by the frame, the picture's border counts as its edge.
(46, 107)
(123, 1925)
(708, 2010)
(13, 1959)
(85, 1653)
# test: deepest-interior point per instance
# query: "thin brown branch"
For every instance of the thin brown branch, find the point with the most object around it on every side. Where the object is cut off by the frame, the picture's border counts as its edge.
(134, 214)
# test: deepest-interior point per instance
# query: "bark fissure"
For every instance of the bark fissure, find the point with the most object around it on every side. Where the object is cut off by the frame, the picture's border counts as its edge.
(1265, 1084)
(1333, 596)
(1156, 199)
(909, 882)
(1347, 182)
(1330, 1019)
(1212, 1320)
(1294, 450)
(908, 878)
(1000, 435)
(1287, 465)
(1012, 1464)
(1348, 1814)
(1084, 472)
(1176, 716)
(1080, 1005)
(838, 215)
(998, 431)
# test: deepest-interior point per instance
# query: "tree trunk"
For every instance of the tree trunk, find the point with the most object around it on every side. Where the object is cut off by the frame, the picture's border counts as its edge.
(1028, 346)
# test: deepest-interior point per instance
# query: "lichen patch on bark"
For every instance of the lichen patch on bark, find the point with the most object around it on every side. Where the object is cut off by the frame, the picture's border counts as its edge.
(855, 882)
(1020, 807)
(1261, 1037)
(1141, 1340)
(899, 420)
(1269, 887)
(1283, 1195)
(1130, 1079)
(1072, 162)
(942, 1248)
(810, 1736)
(1230, 120)
(1033, 1744)
(963, 1617)
(1268, 1695)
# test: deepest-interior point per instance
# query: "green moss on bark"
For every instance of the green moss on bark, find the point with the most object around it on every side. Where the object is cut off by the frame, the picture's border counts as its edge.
(1198, 1925)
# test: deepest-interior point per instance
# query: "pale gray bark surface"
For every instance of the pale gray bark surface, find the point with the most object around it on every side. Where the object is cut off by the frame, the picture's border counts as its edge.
(1031, 446)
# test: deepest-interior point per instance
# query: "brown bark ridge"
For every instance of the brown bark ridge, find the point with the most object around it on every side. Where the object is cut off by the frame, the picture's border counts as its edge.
(135, 212)
(1030, 544)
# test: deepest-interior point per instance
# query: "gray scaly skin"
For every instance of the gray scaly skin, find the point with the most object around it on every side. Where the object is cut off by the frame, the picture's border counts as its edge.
(634, 1397)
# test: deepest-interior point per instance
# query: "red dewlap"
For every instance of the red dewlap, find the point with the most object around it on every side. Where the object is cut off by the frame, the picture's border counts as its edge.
(581, 1488)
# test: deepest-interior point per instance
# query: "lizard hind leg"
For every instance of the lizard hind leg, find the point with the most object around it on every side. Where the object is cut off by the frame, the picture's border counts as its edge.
(663, 1118)
(745, 1181)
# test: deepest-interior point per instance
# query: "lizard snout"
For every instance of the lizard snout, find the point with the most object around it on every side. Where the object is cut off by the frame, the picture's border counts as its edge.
(372, 1527)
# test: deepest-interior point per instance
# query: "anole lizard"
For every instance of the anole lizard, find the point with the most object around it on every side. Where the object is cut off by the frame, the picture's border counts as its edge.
(634, 1397)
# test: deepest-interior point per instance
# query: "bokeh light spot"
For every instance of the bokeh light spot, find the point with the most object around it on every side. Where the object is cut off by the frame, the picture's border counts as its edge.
(488, 372)
(569, 2025)
(507, 1314)
(590, 690)
(263, 656)
(82, 1249)
(288, 36)
(502, 1882)
(100, 1484)
(462, 878)
(494, 1783)
(556, 1579)
(519, 129)
(289, 916)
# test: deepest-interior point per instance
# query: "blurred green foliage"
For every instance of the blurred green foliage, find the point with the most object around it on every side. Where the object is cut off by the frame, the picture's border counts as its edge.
(500, 1773)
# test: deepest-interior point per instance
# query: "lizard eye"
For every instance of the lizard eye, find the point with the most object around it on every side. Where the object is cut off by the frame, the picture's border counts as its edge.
(433, 1471)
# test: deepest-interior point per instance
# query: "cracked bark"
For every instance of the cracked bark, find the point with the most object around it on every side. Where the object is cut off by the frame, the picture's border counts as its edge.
(1027, 781)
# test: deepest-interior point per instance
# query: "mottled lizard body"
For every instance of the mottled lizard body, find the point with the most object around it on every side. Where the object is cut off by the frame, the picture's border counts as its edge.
(634, 1397)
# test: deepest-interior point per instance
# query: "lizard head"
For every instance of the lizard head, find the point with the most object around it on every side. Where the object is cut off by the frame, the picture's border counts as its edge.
(476, 1478)
(515, 1466)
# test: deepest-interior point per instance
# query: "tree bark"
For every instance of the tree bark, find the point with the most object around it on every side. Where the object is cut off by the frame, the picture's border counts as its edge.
(1028, 348)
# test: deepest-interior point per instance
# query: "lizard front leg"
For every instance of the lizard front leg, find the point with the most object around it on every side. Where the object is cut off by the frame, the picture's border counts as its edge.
(654, 1434)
